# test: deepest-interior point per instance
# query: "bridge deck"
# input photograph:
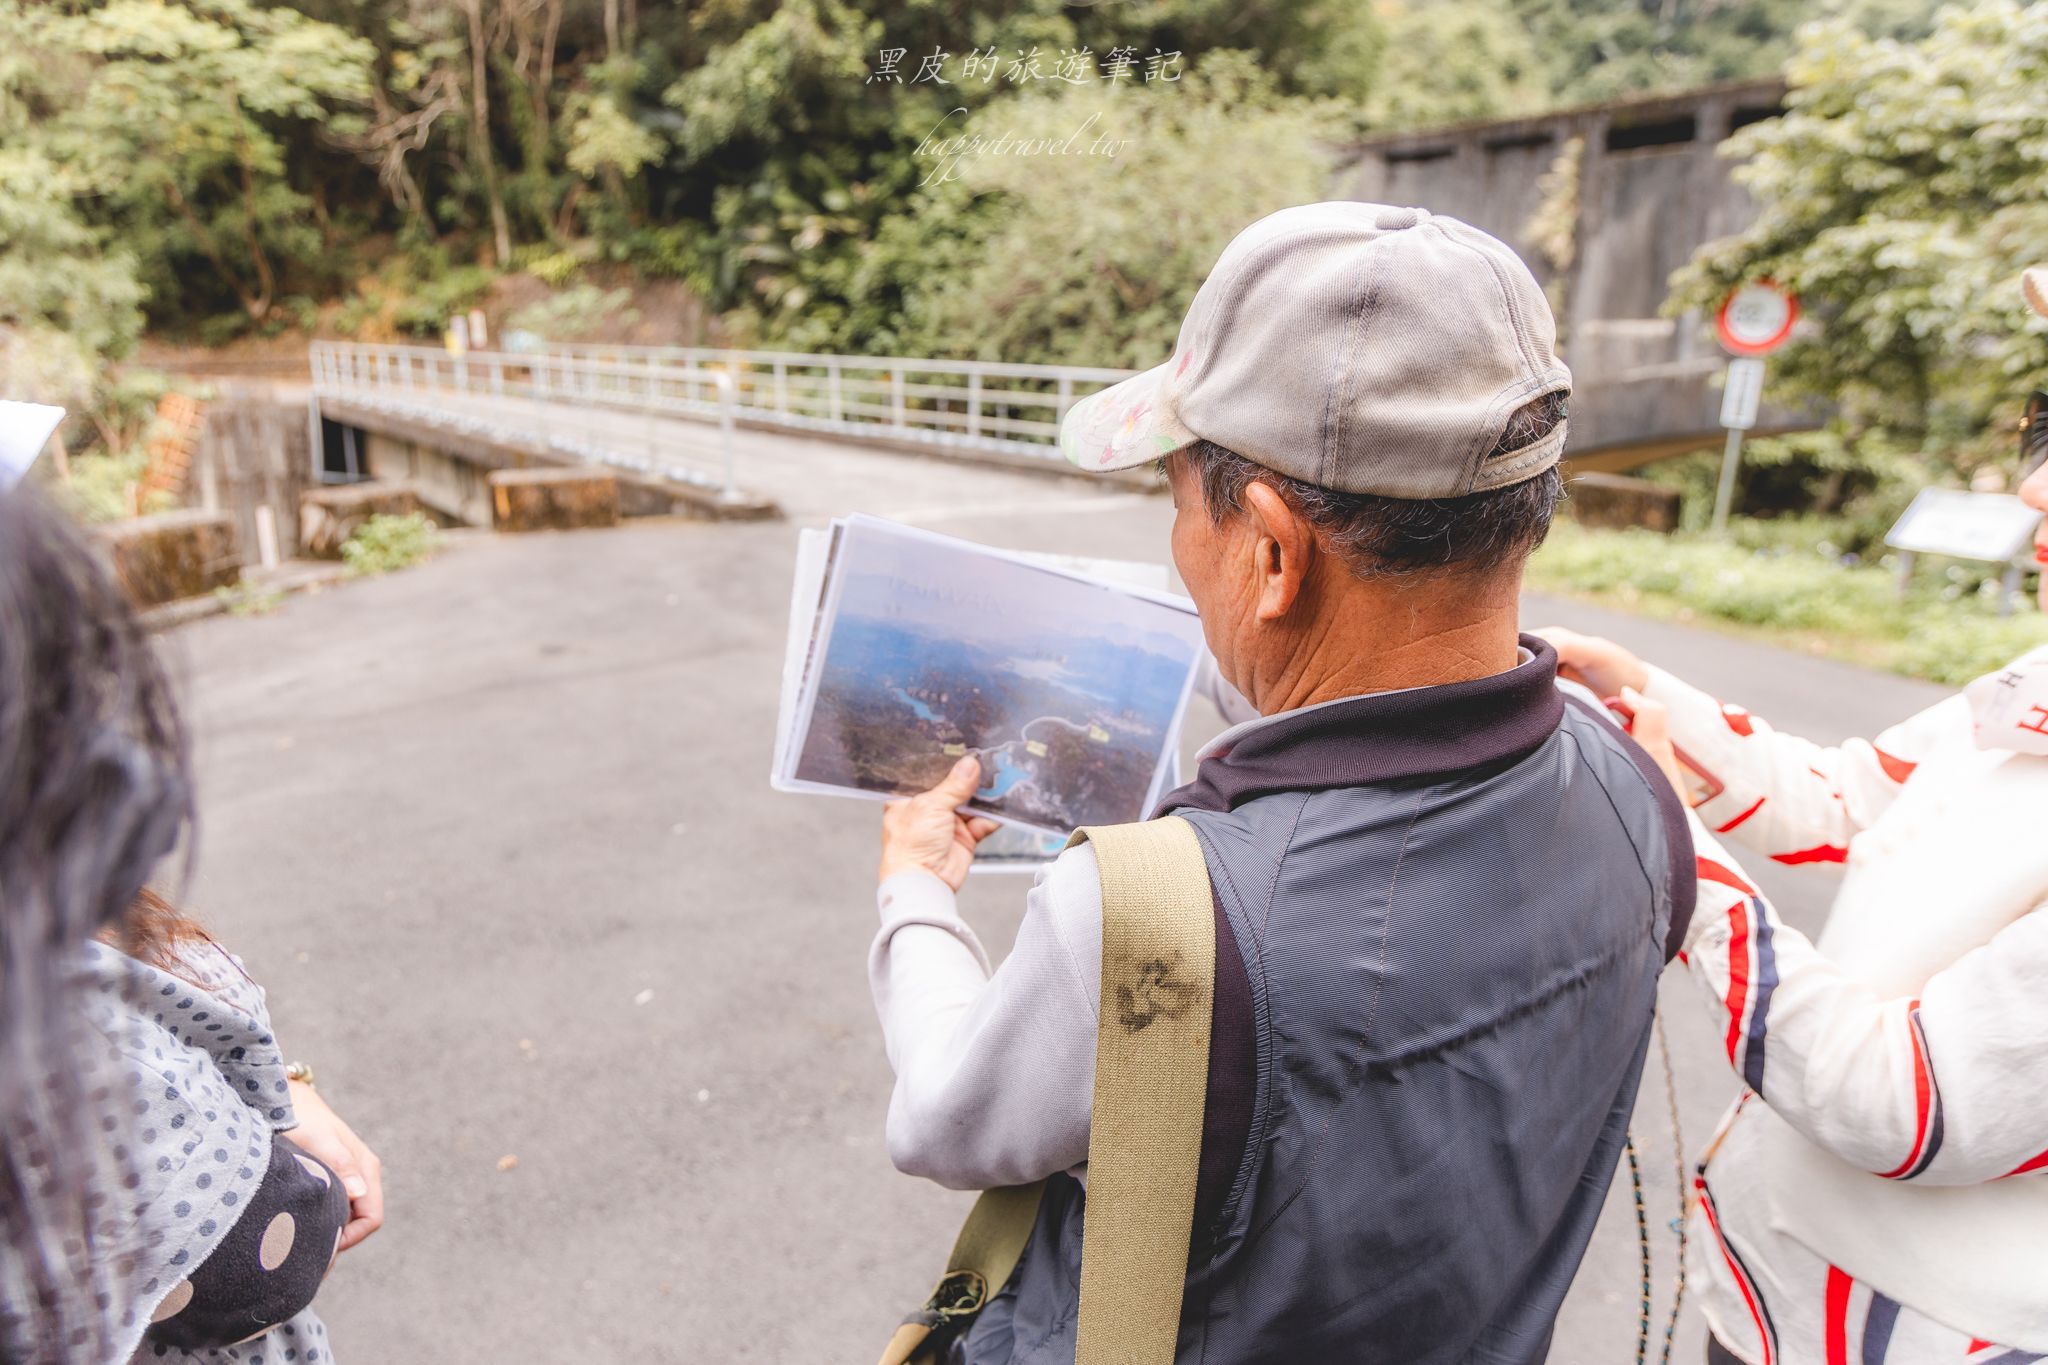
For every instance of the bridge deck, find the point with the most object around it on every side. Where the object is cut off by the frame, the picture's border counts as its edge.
(811, 477)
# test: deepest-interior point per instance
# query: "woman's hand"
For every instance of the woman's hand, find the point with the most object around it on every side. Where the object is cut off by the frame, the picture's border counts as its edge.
(927, 832)
(1600, 664)
(322, 1133)
(1651, 728)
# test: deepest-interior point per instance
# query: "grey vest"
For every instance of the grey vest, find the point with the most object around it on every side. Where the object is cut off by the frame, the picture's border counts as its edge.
(1446, 913)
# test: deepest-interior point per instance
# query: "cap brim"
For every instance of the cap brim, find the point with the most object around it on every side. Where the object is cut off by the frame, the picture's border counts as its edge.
(1128, 424)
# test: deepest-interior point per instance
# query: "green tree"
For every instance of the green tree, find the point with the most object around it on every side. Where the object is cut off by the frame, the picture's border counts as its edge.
(1449, 61)
(1595, 50)
(1900, 197)
(176, 131)
(1083, 258)
(70, 299)
(802, 160)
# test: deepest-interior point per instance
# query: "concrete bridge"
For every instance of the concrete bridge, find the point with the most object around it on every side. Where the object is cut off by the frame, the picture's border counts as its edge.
(724, 434)
(1604, 201)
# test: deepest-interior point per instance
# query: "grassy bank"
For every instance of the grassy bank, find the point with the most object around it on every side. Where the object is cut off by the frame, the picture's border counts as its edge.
(1801, 599)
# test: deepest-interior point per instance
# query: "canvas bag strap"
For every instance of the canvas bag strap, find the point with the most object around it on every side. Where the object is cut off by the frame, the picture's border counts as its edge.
(984, 1254)
(1145, 1140)
(1151, 1082)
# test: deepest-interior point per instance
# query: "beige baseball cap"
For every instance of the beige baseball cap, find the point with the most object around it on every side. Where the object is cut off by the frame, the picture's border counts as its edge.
(1360, 347)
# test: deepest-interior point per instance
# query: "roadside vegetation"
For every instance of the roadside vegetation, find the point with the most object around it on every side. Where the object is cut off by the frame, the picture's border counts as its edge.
(1945, 629)
(385, 544)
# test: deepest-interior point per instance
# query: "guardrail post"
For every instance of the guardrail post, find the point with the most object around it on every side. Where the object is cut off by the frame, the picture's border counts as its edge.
(314, 432)
(896, 398)
(974, 403)
(724, 382)
(832, 379)
(781, 387)
(1066, 398)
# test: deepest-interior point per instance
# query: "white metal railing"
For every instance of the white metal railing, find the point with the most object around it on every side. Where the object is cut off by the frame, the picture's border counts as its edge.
(958, 404)
(948, 402)
(467, 393)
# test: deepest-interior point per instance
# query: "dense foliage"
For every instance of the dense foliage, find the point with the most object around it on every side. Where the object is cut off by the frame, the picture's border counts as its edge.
(1900, 197)
(210, 168)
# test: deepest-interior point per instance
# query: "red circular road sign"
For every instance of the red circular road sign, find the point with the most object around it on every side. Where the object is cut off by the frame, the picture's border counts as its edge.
(1756, 318)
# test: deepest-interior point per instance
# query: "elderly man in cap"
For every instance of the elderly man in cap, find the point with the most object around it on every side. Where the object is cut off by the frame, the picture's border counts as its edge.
(1444, 890)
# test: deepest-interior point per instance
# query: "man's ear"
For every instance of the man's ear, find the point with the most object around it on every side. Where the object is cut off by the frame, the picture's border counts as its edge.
(1284, 547)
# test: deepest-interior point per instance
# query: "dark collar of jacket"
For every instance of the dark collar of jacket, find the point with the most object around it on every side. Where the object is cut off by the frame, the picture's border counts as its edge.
(1422, 732)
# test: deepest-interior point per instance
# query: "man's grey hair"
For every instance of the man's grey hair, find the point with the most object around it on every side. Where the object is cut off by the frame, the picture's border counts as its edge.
(1382, 537)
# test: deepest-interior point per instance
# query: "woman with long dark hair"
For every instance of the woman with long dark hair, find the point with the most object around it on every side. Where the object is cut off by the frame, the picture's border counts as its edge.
(150, 1200)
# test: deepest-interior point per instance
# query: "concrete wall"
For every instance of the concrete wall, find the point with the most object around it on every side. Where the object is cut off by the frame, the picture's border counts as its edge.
(254, 450)
(1651, 190)
(455, 487)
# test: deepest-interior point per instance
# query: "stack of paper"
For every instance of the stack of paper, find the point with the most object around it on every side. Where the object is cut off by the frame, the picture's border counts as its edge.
(1067, 679)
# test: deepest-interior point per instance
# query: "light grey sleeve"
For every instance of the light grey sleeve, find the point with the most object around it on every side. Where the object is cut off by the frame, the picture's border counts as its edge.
(995, 1071)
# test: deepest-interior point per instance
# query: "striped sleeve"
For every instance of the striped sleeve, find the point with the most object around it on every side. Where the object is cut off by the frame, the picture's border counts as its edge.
(1787, 798)
(1946, 1088)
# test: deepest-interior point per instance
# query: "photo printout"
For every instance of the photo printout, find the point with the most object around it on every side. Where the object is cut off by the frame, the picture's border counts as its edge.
(1068, 691)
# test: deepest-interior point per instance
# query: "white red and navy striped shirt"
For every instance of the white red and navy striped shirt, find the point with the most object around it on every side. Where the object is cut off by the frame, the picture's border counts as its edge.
(1880, 1191)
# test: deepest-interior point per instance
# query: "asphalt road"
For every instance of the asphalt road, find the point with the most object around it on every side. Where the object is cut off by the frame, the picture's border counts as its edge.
(496, 834)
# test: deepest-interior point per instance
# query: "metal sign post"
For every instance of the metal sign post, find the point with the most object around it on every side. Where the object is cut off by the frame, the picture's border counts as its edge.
(1754, 321)
(1991, 528)
(1740, 393)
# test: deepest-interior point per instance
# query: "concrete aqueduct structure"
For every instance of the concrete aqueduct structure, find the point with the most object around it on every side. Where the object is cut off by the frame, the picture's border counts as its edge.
(1647, 190)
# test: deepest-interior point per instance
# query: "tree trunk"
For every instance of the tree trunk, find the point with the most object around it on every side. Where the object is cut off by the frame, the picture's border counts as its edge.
(266, 278)
(1831, 491)
(565, 218)
(211, 248)
(547, 66)
(480, 132)
(611, 29)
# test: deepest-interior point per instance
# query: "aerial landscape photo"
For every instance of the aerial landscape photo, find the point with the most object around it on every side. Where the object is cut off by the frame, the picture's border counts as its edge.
(1067, 691)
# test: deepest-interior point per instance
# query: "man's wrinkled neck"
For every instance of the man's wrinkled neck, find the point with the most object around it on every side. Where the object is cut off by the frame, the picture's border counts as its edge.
(1357, 638)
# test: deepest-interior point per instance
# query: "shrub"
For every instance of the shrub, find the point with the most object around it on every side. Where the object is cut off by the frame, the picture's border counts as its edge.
(384, 543)
(99, 486)
(574, 313)
(246, 599)
(425, 310)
